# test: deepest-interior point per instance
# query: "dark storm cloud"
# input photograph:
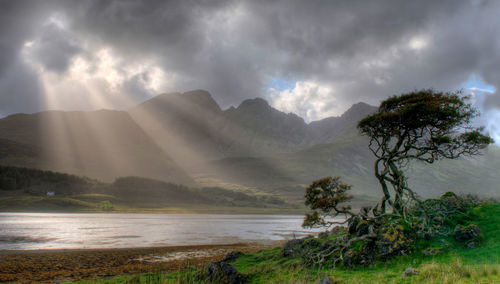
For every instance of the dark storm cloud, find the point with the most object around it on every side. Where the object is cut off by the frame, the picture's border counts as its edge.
(18, 21)
(362, 50)
(54, 48)
(19, 86)
(19, 90)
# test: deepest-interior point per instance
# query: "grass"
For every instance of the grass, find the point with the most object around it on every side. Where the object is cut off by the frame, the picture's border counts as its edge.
(456, 264)
(92, 203)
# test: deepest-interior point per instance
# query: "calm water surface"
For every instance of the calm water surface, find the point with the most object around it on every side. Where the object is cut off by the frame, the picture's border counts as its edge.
(20, 231)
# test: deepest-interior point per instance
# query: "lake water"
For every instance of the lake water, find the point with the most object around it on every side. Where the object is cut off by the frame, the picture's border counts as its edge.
(22, 231)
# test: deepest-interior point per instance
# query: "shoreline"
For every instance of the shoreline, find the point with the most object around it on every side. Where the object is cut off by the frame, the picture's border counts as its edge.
(49, 265)
(180, 211)
(173, 247)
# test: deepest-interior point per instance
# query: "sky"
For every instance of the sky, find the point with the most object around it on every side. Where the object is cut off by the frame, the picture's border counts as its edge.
(313, 58)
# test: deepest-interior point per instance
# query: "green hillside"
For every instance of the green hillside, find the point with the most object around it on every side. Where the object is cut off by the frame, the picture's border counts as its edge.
(23, 189)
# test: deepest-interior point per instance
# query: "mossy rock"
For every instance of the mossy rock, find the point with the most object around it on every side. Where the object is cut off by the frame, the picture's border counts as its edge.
(392, 239)
(298, 247)
(469, 234)
(221, 272)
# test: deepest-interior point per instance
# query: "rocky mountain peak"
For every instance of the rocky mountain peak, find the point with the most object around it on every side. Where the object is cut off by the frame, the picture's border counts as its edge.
(255, 105)
(358, 111)
(199, 98)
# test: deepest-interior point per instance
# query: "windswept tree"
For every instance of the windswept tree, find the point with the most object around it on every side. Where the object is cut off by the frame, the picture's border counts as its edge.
(419, 126)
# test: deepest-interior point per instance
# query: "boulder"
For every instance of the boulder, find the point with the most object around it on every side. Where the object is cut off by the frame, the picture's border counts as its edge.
(408, 272)
(468, 234)
(391, 240)
(297, 247)
(325, 280)
(221, 272)
(431, 251)
(230, 256)
(291, 247)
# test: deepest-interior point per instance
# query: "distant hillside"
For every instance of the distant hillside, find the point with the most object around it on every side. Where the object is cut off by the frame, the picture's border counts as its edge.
(30, 189)
(100, 144)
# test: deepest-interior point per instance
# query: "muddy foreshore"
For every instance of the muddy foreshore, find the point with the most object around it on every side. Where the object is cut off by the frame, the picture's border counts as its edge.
(77, 264)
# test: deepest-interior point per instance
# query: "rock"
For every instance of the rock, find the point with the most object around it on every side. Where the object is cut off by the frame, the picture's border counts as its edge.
(467, 234)
(408, 272)
(297, 247)
(471, 245)
(391, 240)
(227, 268)
(325, 280)
(431, 251)
(230, 256)
(290, 248)
(222, 272)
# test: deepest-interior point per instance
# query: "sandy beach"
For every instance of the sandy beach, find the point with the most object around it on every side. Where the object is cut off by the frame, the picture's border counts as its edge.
(70, 265)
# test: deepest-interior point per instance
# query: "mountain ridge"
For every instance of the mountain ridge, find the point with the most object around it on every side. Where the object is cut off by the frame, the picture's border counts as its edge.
(187, 138)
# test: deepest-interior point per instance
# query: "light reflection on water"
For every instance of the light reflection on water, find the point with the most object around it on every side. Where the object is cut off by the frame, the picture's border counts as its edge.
(94, 230)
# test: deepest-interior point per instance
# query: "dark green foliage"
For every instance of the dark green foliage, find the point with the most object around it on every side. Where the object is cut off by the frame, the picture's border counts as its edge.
(8, 183)
(442, 213)
(150, 192)
(38, 182)
(106, 205)
(324, 197)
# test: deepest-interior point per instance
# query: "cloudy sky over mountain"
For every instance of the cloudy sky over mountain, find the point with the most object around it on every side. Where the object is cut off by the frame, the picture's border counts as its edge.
(314, 58)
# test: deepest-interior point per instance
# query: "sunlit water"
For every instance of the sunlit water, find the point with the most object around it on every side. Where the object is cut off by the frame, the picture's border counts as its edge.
(21, 231)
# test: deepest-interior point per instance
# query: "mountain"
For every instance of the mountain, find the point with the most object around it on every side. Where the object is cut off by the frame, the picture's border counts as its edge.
(100, 144)
(254, 128)
(192, 127)
(183, 125)
(187, 138)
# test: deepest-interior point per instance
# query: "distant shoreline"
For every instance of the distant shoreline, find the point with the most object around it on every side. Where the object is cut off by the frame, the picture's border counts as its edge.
(227, 210)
